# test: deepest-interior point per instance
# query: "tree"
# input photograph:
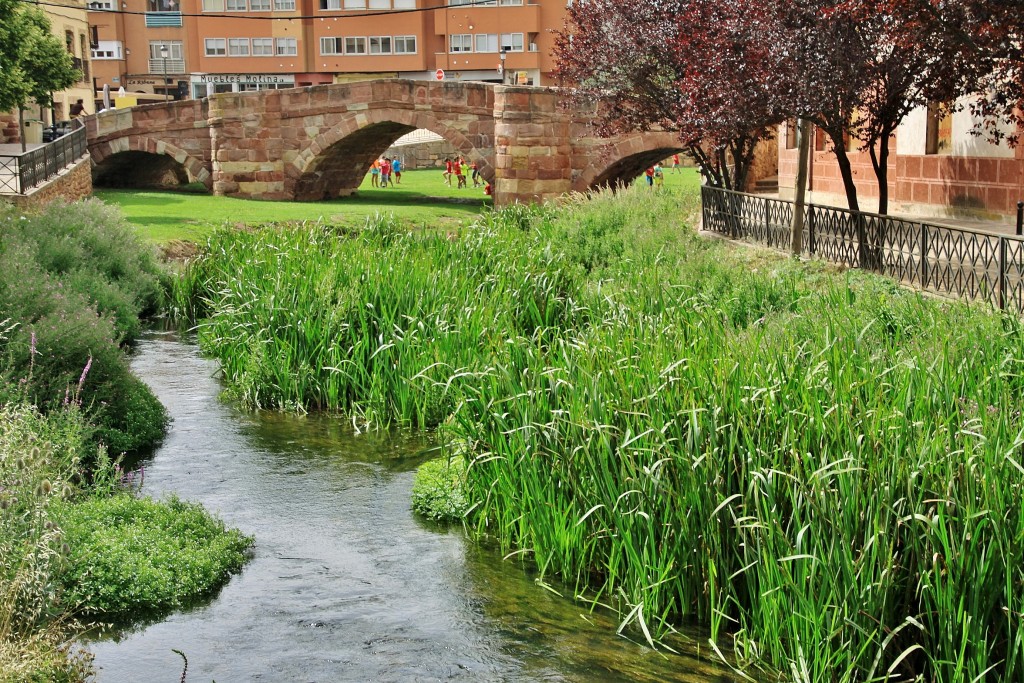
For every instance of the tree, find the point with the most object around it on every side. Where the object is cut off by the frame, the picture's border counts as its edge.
(697, 67)
(33, 62)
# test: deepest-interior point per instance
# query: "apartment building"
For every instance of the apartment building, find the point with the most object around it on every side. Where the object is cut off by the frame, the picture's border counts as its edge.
(174, 49)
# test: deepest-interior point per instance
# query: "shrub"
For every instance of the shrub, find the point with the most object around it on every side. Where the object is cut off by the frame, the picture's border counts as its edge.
(39, 458)
(438, 490)
(72, 285)
(129, 554)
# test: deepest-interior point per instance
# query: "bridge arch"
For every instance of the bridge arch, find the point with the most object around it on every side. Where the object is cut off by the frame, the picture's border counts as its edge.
(619, 163)
(335, 162)
(146, 160)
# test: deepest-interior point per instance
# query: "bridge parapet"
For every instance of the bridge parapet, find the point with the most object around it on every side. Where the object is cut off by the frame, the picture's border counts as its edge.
(318, 142)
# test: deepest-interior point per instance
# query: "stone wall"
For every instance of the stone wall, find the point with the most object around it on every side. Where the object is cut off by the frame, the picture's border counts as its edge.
(71, 184)
(423, 155)
(9, 128)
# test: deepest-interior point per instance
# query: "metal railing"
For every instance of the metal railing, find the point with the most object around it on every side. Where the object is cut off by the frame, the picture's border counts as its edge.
(19, 173)
(973, 264)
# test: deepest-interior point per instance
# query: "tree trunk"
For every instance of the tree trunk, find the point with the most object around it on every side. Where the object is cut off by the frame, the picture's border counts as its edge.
(803, 143)
(880, 162)
(846, 173)
(21, 128)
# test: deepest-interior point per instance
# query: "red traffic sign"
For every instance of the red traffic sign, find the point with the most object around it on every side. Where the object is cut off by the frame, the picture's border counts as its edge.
(439, 74)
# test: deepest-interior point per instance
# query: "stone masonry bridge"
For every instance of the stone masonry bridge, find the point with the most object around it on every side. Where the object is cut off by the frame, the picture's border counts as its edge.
(318, 142)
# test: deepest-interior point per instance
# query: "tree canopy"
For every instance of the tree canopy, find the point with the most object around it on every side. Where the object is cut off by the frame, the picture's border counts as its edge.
(724, 75)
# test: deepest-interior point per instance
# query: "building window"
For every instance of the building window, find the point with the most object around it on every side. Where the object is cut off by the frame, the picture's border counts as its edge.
(404, 4)
(262, 47)
(791, 134)
(284, 5)
(380, 45)
(213, 5)
(287, 47)
(512, 42)
(330, 4)
(259, 5)
(107, 49)
(460, 42)
(235, 6)
(355, 4)
(107, 5)
(173, 49)
(510, 2)
(355, 46)
(487, 42)
(69, 42)
(331, 46)
(216, 47)
(939, 132)
(380, 4)
(238, 47)
(405, 45)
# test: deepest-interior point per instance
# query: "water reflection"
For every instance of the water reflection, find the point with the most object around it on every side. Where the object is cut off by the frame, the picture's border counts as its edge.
(345, 584)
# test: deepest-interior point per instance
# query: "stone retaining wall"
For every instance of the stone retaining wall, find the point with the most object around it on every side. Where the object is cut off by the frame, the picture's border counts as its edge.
(71, 184)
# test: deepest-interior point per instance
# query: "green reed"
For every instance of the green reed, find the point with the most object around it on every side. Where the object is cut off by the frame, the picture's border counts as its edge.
(822, 468)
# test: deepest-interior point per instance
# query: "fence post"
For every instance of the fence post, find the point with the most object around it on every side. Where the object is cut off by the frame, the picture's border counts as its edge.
(812, 242)
(1020, 217)
(1002, 273)
(767, 222)
(924, 255)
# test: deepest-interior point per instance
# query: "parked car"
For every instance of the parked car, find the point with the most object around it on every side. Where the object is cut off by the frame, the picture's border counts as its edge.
(57, 130)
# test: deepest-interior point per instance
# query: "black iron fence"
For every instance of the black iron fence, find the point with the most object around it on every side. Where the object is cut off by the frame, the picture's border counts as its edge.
(973, 264)
(19, 173)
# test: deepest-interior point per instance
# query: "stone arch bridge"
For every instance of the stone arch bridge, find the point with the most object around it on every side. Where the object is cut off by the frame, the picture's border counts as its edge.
(318, 142)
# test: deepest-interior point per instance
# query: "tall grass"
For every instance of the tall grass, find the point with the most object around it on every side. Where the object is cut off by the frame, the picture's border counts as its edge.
(824, 469)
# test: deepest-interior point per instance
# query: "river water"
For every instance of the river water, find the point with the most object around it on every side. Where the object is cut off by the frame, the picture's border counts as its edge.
(345, 584)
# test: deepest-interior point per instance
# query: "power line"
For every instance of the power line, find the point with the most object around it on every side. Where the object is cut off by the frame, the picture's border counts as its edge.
(238, 15)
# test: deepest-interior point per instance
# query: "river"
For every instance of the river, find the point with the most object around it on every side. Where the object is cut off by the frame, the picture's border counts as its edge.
(345, 584)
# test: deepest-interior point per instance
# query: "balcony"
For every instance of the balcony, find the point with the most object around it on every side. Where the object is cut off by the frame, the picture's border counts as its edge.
(159, 66)
(163, 19)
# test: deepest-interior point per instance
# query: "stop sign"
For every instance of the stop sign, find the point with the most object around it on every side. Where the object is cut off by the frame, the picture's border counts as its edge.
(439, 74)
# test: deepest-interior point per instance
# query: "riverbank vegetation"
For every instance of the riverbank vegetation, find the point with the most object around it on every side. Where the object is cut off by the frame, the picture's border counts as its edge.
(74, 282)
(821, 467)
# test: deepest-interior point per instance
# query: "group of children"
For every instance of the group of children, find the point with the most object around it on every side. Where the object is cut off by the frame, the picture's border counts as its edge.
(386, 172)
(460, 168)
(655, 175)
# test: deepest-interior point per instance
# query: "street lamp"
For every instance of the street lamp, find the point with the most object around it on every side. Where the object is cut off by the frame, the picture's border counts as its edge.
(501, 55)
(163, 69)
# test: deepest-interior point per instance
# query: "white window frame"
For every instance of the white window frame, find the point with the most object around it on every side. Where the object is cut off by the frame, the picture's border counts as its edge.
(101, 5)
(108, 49)
(238, 47)
(286, 47)
(330, 5)
(284, 5)
(259, 5)
(236, 6)
(507, 42)
(352, 44)
(355, 4)
(213, 5)
(463, 40)
(485, 42)
(262, 47)
(330, 45)
(380, 40)
(215, 47)
(404, 41)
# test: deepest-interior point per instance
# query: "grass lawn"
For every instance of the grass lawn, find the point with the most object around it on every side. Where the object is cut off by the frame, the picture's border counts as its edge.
(422, 200)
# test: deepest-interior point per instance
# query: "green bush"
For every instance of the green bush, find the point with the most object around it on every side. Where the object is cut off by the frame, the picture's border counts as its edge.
(132, 554)
(73, 283)
(438, 490)
(39, 457)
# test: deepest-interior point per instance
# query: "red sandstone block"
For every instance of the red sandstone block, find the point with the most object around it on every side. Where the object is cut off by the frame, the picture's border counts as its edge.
(998, 199)
(919, 193)
(988, 170)
(1011, 172)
